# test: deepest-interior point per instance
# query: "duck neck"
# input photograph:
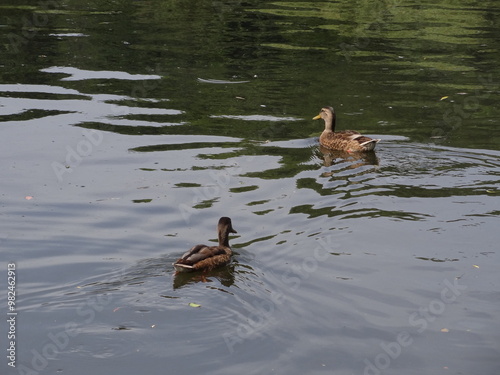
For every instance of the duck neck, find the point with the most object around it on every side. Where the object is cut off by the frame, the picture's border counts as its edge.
(224, 238)
(330, 124)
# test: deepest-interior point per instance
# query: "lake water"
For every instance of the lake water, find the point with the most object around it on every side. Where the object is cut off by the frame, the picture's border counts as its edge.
(129, 128)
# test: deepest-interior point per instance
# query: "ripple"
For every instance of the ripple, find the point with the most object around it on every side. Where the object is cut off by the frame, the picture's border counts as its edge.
(75, 74)
(220, 81)
(256, 118)
(69, 107)
(70, 35)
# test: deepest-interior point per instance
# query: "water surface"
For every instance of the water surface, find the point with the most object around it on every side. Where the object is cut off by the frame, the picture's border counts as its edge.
(128, 129)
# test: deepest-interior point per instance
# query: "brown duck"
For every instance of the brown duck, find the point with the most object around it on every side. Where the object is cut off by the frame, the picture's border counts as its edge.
(347, 140)
(203, 257)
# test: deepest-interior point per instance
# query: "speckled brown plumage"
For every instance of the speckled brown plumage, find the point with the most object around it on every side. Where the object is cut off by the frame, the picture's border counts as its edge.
(348, 140)
(203, 257)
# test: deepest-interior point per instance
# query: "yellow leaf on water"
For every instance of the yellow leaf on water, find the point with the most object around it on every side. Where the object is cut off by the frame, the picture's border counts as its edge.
(445, 330)
(194, 305)
(475, 266)
(444, 97)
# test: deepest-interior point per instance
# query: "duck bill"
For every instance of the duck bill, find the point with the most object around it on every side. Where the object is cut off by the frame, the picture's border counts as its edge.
(317, 117)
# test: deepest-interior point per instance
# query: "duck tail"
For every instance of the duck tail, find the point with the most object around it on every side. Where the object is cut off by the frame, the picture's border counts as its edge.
(370, 145)
(179, 267)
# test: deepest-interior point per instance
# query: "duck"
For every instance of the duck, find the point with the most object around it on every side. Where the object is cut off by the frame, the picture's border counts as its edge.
(347, 140)
(206, 258)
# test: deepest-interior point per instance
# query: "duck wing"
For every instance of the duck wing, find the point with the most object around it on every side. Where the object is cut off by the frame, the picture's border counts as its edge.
(198, 253)
(359, 138)
(366, 143)
(349, 140)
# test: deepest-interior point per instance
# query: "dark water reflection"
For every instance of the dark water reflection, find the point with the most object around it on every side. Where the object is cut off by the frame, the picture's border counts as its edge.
(129, 128)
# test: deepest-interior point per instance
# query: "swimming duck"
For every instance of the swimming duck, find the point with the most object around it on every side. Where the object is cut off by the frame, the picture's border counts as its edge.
(347, 140)
(203, 257)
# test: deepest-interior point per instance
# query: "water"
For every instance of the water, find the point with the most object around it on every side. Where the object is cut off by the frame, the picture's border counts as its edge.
(128, 129)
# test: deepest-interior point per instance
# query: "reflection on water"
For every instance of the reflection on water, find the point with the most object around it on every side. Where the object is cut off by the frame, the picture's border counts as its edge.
(223, 276)
(355, 159)
(199, 111)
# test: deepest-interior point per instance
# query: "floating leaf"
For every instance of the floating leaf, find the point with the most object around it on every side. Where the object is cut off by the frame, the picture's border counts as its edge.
(445, 330)
(475, 266)
(444, 97)
(28, 197)
(194, 305)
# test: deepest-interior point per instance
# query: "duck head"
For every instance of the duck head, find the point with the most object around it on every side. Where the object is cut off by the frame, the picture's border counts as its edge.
(225, 225)
(327, 114)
